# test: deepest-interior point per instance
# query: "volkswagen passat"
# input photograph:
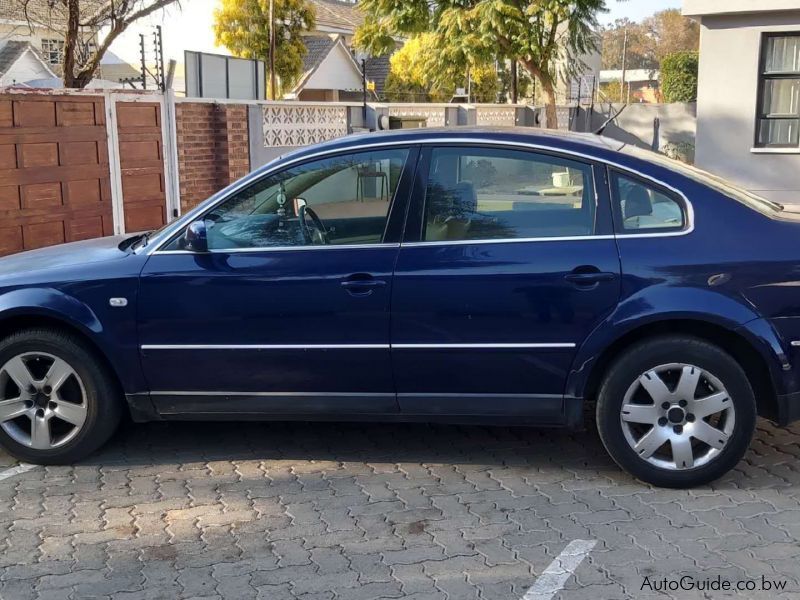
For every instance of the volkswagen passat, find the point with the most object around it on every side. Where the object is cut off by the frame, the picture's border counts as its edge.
(486, 276)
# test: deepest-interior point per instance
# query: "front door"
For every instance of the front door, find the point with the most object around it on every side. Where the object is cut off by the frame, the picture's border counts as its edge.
(502, 275)
(288, 312)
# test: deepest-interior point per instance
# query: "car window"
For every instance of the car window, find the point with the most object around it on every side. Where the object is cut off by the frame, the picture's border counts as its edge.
(484, 194)
(338, 200)
(644, 207)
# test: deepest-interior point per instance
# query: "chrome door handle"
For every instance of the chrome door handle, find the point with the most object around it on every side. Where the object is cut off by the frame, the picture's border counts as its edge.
(589, 277)
(354, 284)
(360, 285)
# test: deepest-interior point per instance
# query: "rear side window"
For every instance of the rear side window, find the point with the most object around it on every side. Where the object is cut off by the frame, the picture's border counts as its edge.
(644, 208)
(495, 194)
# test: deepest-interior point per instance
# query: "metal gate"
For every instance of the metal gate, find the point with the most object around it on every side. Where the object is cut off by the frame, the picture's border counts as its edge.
(54, 171)
(137, 140)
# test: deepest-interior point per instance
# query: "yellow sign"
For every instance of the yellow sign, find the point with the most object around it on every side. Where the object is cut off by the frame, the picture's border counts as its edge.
(371, 86)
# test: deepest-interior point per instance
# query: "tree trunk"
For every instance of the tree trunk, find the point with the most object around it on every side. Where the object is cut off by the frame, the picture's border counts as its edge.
(548, 89)
(71, 44)
(550, 110)
(514, 82)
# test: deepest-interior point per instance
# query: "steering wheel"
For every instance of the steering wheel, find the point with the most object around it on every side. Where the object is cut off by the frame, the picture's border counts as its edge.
(317, 234)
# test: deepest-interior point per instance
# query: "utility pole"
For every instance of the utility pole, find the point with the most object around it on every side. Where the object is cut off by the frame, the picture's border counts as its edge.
(364, 86)
(624, 64)
(272, 49)
(514, 81)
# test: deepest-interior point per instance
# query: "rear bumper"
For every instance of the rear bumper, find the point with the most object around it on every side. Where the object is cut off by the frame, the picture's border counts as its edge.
(788, 409)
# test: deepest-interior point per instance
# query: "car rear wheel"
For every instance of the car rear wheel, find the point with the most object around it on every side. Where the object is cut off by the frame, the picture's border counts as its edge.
(676, 411)
(57, 402)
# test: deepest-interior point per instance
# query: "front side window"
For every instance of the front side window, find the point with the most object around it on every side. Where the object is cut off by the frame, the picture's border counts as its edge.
(643, 208)
(494, 194)
(334, 201)
(779, 105)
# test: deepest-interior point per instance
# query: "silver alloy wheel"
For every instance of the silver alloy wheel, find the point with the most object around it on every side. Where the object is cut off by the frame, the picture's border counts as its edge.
(42, 400)
(677, 416)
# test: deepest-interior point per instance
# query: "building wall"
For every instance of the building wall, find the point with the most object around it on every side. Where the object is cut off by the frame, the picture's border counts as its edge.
(730, 47)
(12, 31)
(26, 68)
(636, 125)
(213, 148)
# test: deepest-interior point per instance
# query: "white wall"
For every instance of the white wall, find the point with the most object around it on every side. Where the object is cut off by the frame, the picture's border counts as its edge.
(336, 72)
(711, 7)
(25, 69)
(726, 105)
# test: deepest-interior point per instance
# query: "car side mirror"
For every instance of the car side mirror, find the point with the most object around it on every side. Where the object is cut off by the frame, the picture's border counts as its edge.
(195, 238)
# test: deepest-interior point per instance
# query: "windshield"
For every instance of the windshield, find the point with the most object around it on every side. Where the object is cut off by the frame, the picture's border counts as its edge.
(713, 181)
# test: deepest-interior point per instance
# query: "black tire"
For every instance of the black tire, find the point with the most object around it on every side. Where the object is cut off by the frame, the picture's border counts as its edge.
(649, 354)
(103, 397)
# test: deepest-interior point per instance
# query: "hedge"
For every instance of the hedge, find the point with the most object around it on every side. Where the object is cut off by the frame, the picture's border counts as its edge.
(679, 76)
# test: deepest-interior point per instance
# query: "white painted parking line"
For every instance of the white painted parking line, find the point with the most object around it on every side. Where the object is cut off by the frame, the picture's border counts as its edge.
(20, 468)
(552, 580)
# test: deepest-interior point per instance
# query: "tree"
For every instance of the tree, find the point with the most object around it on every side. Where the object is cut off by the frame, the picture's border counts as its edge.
(615, 42)
(407, 81)
(668, 32)
(679, 76)
(80, 23)
(547, 37)
(415, 74)
(242, 26)
(648, 42)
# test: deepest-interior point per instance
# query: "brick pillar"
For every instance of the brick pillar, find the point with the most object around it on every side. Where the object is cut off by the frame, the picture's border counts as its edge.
(213, 148)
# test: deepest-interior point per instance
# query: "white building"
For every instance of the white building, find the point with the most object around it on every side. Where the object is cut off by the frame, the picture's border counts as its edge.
(748, 102)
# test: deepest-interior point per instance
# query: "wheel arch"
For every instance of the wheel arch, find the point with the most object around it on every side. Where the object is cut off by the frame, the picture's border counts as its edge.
(32, 318)
(737, 342)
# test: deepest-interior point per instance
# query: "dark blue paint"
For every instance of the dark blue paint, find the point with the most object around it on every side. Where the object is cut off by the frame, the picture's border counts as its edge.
(513, 293)
(276, 298)
(739, 270)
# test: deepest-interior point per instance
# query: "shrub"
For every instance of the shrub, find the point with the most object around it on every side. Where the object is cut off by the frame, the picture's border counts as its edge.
(679, 77)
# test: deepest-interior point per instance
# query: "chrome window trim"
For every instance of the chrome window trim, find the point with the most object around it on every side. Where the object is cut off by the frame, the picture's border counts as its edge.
(278, 165)
(285, 249)
(574, 238)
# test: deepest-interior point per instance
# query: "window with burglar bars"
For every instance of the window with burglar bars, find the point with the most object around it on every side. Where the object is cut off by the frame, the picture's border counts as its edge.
(53, 51)
(779, 94)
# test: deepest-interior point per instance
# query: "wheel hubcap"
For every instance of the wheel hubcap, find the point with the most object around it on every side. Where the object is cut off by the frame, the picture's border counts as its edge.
(677, 416)
(42, 400)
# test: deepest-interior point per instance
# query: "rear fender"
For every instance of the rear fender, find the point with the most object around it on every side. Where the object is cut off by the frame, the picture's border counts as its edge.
(666, 304)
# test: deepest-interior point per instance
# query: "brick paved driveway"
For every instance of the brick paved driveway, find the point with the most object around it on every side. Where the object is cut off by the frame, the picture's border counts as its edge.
(319, 511)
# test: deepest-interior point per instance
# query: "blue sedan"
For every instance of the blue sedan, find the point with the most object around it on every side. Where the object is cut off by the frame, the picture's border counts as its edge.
(472, 275)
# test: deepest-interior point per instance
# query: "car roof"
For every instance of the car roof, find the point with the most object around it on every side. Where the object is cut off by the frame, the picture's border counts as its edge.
(587, 143)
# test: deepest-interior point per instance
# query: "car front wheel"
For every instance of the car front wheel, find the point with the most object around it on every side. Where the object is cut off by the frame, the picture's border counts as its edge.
(676, 411)
(57, 402)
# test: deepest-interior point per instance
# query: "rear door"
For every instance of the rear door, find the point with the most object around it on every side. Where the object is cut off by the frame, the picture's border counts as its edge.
(508, 263)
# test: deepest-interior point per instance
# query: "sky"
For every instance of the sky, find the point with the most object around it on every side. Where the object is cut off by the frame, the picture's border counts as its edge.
(635, 10)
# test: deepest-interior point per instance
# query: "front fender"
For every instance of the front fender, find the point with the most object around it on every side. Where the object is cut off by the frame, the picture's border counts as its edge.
(666, 304)
(52, 303)
(113, 335)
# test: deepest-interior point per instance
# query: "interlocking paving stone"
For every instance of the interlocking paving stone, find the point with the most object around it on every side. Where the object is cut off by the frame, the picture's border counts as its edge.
(350, 511)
